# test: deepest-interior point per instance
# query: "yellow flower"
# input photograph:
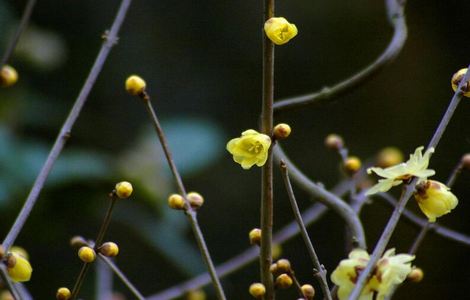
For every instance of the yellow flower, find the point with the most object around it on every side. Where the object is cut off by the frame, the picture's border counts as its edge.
(416, 166)
(249, 149)
(279, 30)
(435, 199)
(19, 268)
(390, 271)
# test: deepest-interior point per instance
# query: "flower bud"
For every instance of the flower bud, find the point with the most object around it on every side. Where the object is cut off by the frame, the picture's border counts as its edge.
(195, 200)
(123, 189)
(334, 142)
(135, 85)
(352, 165)
(87, 254)
(416, 275)
(109, 249)
(308, 291)
(63, 293)
(434, 199)
(455, 81)
(283, 266)
(78, 241)
(18, 267)
(466, 161)
(281, 131)
(257, 290)
(255, 236)
(273, 269)
(279, 30)
(196, 295)
(19, 250)
(176, 201)
(8, 76)
(389, 156)
(283, 281)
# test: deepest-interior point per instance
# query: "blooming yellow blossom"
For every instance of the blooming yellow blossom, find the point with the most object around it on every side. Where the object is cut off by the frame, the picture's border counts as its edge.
(416, 166)
(435, 199)
(250, 149)
(279, 30)
(390, 271)
(20, 269)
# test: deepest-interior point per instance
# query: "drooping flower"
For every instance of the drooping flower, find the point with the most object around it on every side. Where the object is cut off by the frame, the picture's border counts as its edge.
(250, 149)
(279, 30)
(416, 166)
(19, 269)
(435, 199)
(391, 270)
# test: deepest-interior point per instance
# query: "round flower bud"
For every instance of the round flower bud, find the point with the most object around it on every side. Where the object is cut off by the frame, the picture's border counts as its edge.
(455, 81)
(6, 295)
(87, 254)
(334, 142)
(135, 85)
(63, 293)
(78, 241)
(273, 269)
(257, 290)
(466, 161)
(109, 249)
(283, 266)
(176, 201)
(8, 76)
(279, 30)
(308, 291)
(255, 236)
(195, 200)
(123, 189)
(18, 267)
(389, 156)
(352, 165)
(281, 131)
(19, 250)
(416, 275)
(434, 199)
(283, 281)
(196, 295)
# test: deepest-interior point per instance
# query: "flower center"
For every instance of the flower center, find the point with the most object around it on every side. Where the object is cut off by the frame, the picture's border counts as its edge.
(255, 148)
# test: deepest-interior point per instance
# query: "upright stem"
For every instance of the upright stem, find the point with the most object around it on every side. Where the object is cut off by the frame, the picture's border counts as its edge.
(28, 10)
(66, 129)
(267, 170)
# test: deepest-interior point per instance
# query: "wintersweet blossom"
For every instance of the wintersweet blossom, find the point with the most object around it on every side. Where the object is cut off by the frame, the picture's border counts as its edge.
(416, 166)
(435, 199)
(250, 149)
(279, 30)
(391, 270)
(20, 269)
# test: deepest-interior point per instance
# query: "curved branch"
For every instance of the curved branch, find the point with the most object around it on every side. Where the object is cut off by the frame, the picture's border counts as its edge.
(327, 198)
(395, 12)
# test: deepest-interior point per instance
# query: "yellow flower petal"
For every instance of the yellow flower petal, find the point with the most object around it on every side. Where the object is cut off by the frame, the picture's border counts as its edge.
(250, 149)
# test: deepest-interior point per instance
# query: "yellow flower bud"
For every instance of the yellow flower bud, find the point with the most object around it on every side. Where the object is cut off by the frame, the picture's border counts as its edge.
(123, 189)
(279, 30)
(283, 266)
(78, 241)
(352, 165)
(308, 291)
(466, 161)
(455, 81)
(250, 149)
(195, 200)
(18, 267)
(389, 156)
(176, 201)
(255, 236)
(63, 293)
(6, 295)
(334, 142)
(135, 85)
(435, 199)
(273, 269)
(19, 250)
(257, 290)
(87, 254)
(8, 76)
(109, 249)
(281, 131)
(196, 295)
(416, 275)
(283, 281)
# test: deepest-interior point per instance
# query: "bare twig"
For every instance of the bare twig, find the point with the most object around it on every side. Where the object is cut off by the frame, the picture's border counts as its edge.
(66, 129)
(408, 191)
(319, 270)
(396, 18)
(28, 10)
(103, 281)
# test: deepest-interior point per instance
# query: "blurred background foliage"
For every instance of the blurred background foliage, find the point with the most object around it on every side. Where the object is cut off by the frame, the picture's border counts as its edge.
(202, 64)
